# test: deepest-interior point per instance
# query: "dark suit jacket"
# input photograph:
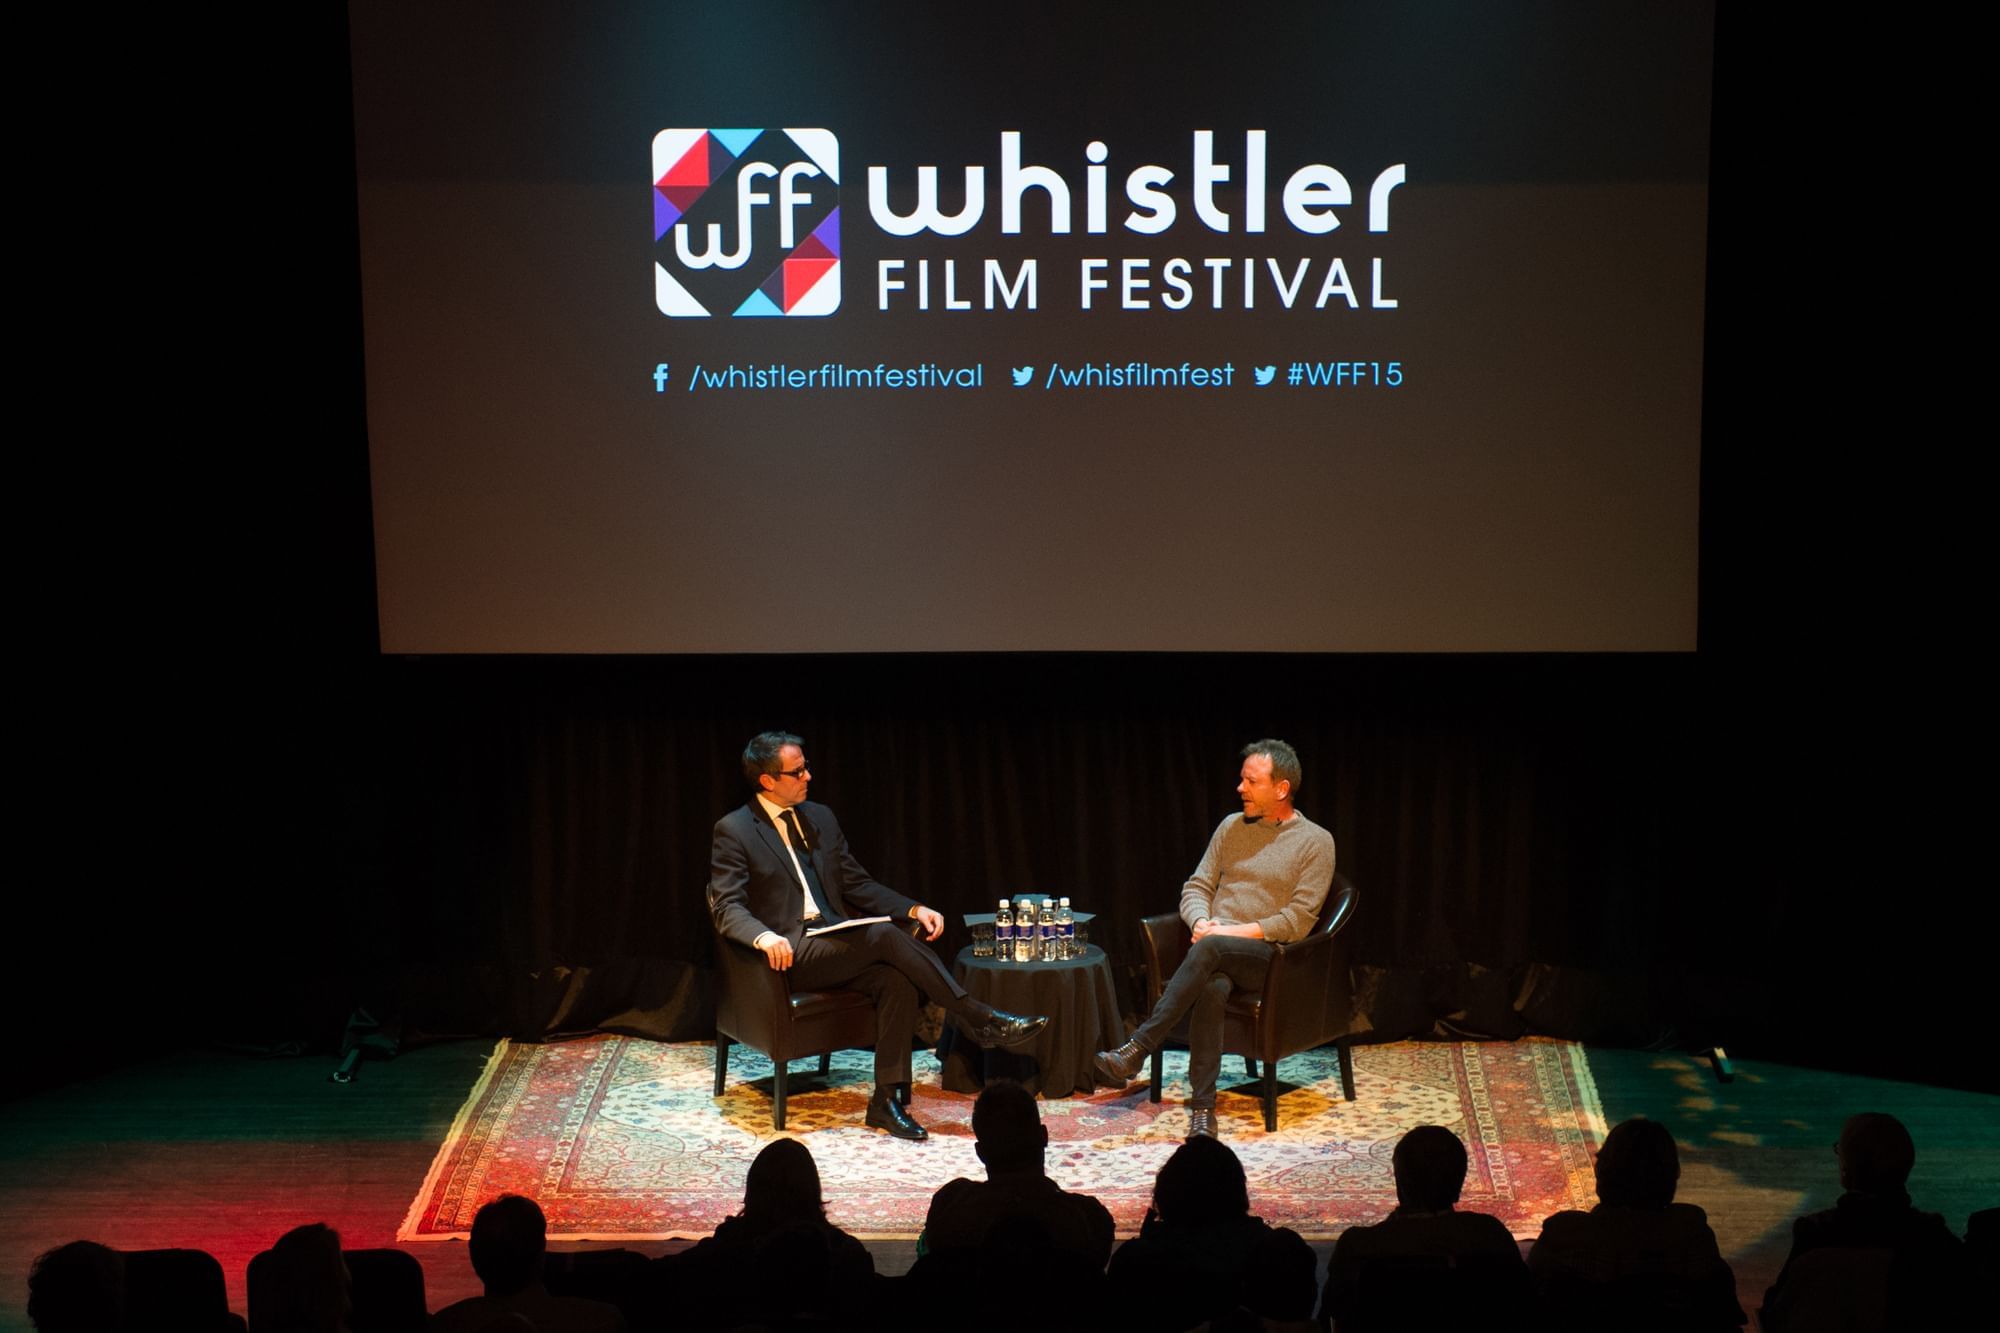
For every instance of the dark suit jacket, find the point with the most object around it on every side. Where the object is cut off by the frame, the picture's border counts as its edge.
(751, 887)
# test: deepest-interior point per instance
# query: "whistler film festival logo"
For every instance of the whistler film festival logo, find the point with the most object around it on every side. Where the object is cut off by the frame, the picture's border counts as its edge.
(746, 222)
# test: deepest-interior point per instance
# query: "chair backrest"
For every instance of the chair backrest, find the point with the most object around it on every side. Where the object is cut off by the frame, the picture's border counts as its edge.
(388, 1292)
(176, 1289)
(624, 1278)
(1395, 1292)
(1338, 908)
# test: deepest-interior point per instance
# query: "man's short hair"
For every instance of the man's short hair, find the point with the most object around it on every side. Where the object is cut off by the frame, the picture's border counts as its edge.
(1007, 1126)
(1284, 761)
(308, 1282)
(1876, 1153)
(760, 756)
(509, 1237)
(77, 1288)
(1429, 1163)
(1639, 1165)
(1202, 1182)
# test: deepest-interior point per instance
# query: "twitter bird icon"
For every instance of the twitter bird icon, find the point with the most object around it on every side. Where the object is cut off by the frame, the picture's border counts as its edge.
(1265, 374)
(1023, 374)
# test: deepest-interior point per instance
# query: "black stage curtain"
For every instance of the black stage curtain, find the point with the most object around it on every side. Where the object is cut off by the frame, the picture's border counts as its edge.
(528, 838)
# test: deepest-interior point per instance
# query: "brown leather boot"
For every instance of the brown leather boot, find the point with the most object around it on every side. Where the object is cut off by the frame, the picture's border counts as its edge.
(1121, 1066)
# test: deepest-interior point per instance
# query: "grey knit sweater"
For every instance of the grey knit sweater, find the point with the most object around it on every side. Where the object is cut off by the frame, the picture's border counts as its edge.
(1274, 874)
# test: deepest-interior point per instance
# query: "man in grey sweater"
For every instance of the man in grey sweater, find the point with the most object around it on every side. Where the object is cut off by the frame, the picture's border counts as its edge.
(1262, 881)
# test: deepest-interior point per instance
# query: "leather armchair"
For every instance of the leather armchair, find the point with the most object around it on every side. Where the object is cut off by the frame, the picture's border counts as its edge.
(1307, 1000)
(387, 1291)
(758, 1007)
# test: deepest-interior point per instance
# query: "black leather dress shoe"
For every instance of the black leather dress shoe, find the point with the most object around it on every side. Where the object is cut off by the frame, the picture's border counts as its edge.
(1006, 1030)
(885, 1113)
(1121, 1066)
(1201, 1122)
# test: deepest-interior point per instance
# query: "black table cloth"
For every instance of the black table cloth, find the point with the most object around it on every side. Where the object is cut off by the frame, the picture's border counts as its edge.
(1082, 1004)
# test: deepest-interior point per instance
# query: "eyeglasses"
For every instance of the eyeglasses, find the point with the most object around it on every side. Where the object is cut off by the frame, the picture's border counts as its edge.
(798, 772)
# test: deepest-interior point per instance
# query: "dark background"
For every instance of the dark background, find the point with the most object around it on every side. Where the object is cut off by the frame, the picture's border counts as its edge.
(238, 819)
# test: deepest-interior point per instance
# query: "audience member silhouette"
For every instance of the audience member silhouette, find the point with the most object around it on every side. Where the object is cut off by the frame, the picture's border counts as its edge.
(303, 1285)
(1872, 1260)
(77, 1288)
(1191, 1260)
(779, 1260)
(509, 1245)
(1427, 1265)
(1011, 1140)
(979, 1232)
(1637, 1260)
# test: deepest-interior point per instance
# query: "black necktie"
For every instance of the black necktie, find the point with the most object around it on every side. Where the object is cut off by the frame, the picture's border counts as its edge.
(803, 851)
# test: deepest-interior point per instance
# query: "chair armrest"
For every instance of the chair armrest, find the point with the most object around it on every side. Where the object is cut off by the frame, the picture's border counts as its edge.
(1167, 939)
(750, 982)
(753, 994)
(1339, 906)
(1308, 995)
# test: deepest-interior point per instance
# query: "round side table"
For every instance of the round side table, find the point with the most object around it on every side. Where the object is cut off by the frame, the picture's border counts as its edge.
(1080, 1000)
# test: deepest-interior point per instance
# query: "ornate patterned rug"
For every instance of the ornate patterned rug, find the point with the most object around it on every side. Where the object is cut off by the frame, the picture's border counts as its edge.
(620, 1139)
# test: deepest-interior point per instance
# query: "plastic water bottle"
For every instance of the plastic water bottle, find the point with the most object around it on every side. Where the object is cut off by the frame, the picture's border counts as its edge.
(1003, 932)
(1024, 934)
(1046, 930)
(1065, 931)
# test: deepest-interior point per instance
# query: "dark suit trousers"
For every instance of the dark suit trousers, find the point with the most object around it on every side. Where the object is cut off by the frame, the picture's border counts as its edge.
(885, 964)
(1200, 989)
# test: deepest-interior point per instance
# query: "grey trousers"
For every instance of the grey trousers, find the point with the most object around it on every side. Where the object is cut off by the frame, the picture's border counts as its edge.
(1200, 988)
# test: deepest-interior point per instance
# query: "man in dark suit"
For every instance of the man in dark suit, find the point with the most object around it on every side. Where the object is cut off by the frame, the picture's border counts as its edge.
(780, 867)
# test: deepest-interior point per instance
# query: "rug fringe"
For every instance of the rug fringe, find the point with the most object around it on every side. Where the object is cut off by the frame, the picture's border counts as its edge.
(1586, 1094)
(407, 1230)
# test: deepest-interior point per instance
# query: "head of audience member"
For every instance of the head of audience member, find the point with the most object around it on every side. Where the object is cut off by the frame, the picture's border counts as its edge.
(1639, 1166)
(782, 1189)
(1876, 1154)
(1202, 1182)
(308, 1287)
(77, 1288)
(510, 1238)
(1429, 1163)
(1007, 1129)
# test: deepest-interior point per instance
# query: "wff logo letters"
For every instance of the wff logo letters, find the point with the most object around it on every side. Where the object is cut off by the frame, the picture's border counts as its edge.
(746, 222)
